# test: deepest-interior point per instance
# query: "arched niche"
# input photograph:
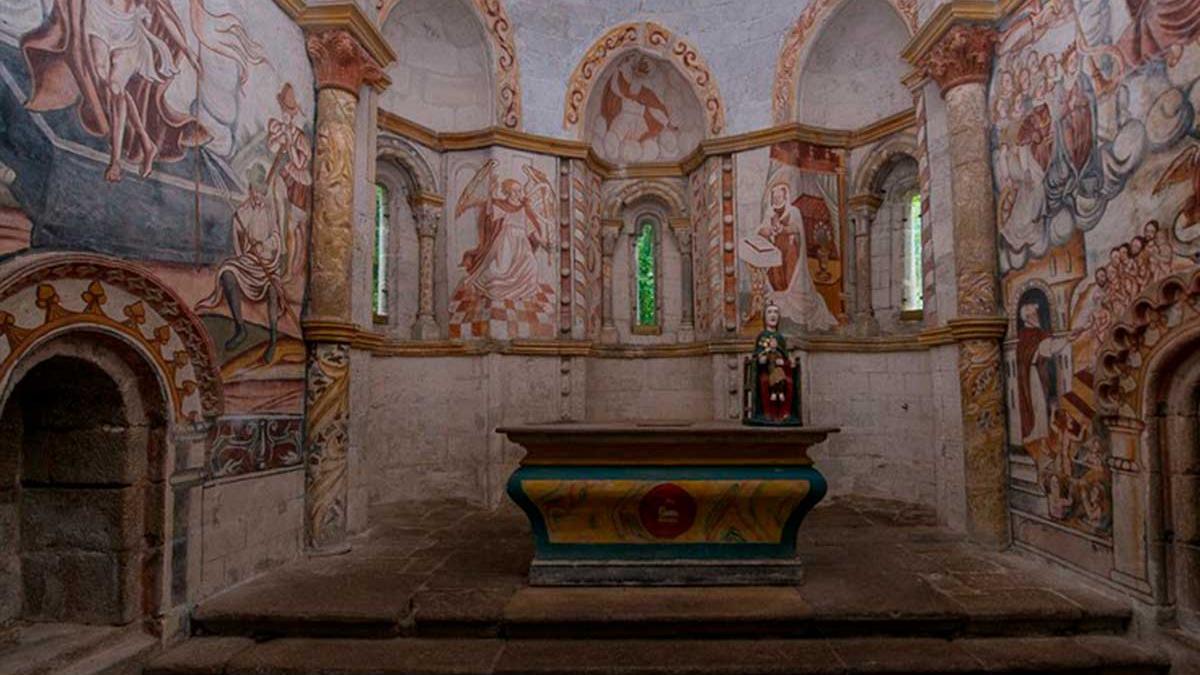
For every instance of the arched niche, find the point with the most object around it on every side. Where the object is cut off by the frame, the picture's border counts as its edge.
(851, 72)
(642, 110)
(443, 74)
(84, 453)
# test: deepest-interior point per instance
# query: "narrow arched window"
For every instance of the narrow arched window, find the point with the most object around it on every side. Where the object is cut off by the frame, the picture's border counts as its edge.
(646, 258)
(914, 289)
(379, 263)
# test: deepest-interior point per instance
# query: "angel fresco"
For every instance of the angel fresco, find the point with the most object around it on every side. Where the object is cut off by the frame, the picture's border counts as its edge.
(513, 221)
(114, 61)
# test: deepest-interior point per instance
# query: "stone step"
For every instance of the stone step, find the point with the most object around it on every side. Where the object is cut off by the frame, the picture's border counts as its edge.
(587, 613)
(1093, 655)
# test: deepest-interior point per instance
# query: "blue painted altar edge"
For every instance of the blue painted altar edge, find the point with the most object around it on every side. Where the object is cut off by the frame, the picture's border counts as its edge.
(784, 549)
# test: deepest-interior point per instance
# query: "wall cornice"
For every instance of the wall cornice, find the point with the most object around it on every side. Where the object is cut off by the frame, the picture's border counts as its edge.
(386, 347)
(341, 15)
(572, 149)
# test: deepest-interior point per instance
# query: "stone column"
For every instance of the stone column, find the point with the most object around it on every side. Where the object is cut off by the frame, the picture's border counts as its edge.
(863, 209)
(682, 229)
(429, 217)
(960, 63)
(610, 233)
(341, 67)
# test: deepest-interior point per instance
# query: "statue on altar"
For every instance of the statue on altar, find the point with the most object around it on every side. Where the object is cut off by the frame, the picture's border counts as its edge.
(772, 385)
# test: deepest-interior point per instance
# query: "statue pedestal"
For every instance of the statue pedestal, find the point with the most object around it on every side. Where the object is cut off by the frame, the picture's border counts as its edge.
(705, 503)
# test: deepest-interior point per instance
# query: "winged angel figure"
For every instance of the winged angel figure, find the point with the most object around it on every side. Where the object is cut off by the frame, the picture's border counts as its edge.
(513, 220)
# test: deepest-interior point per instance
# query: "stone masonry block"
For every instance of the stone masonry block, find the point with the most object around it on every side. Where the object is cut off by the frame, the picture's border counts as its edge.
(81, 586)
(93, 519)
(96, 455)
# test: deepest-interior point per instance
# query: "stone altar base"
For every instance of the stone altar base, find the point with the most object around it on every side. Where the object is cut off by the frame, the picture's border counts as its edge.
(665, 504)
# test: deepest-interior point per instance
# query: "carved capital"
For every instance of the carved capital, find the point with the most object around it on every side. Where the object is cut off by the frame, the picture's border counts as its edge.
(682, 229)
(339, 61)
(962, 56)
(610, 232)
(429, 219)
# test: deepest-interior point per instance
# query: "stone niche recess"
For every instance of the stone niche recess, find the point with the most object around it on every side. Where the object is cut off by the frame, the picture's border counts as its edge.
(80, 505)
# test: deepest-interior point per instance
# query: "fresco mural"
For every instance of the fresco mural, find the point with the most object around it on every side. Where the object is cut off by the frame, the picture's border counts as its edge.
(1087, 99)
(791, 254)
(507, 268)
(645, 112)
(164, 132)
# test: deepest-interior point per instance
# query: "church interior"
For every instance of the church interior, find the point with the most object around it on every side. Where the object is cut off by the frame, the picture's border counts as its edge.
(634, 336)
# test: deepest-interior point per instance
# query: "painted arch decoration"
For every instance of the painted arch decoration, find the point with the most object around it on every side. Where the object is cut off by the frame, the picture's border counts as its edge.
(657, 41)
(57, 294)
(502, 45)
(787, 68)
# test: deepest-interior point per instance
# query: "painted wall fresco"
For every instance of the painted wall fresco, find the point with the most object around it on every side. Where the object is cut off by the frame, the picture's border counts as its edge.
(1095, 147)
(790, 241)
(644, 111)
(169, 133)
(502, 237)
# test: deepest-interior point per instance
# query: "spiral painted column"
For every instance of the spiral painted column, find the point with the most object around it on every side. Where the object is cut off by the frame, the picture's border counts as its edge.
(960, 63)
(342, 67)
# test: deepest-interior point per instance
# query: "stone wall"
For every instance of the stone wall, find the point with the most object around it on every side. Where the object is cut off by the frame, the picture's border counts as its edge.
(249, 526)
(432, 419)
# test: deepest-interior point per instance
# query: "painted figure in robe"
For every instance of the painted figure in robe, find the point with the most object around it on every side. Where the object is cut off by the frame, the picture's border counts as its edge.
(512, 221)
(268, 232)
(772, 378)
(638, 124)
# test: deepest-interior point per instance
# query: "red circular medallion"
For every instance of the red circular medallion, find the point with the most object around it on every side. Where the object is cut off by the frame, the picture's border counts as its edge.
(667, 511)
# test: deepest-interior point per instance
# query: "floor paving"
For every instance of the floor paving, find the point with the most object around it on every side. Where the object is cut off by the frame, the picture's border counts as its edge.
(450, 569)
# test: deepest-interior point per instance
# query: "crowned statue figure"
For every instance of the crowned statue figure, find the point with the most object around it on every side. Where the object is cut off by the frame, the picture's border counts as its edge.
(772, 385)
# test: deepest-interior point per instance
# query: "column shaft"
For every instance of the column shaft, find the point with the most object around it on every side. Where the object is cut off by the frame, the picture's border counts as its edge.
(960, 63)
(341, 67)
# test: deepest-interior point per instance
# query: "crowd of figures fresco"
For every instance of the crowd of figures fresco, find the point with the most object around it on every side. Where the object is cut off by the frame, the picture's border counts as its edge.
(1088, 98)
(167, 133)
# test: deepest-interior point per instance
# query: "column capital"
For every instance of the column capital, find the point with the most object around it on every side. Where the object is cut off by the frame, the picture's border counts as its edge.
(682, 229)
(610, 232)
(340, 62)
(429, 219)
(963, 55)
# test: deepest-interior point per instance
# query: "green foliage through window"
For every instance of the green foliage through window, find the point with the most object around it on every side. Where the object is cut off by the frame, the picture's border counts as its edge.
(647, 270)
(379, 270)
(914, 296)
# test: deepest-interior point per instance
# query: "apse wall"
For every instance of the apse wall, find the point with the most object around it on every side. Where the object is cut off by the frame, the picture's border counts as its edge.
(1094, 160)
(431, 421)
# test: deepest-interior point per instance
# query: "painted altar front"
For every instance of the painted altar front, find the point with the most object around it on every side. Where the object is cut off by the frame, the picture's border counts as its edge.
(703, 503)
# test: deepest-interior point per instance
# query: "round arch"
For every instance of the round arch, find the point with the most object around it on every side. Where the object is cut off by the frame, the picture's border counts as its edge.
(502, 50)
(670, 196)
(873, 171)
(793, 52)
(56, 295)
(395, 149)
(655, 40)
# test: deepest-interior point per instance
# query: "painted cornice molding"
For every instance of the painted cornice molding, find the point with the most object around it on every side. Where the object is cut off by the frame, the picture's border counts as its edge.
(943, 19)
(978, 328)
(341, 15)
(386, 347)
(572, 149)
